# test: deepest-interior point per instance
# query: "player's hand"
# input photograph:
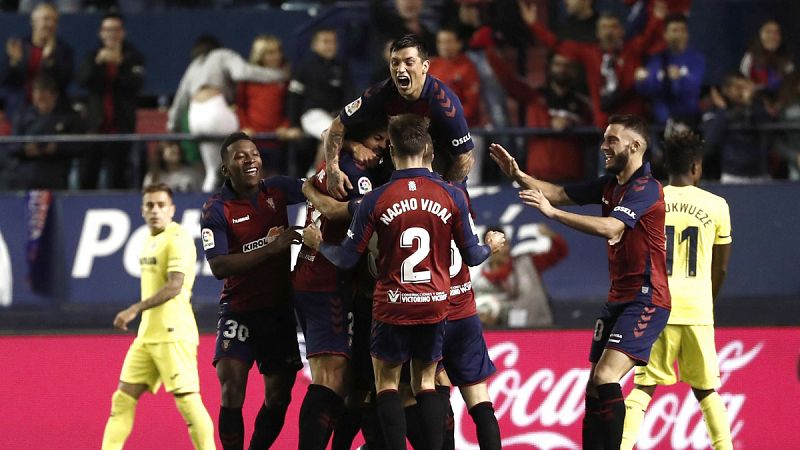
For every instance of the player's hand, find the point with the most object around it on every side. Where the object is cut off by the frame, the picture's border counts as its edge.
(528, 11)
(287, 238)
(364, 155)
(337, 183)
(536, 199)
(496, 240)
(125, 317)
(504, 159)
(312, 237)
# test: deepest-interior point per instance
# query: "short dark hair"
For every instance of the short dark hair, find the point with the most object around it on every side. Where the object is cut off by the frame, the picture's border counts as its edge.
(681, 149)
(408, 134)
(157, 187)
(363, 130)
(232, 138)
(631, 122)
(407, 41)
(676, 17)
(204, 44)
(45, 82)
(113, 15)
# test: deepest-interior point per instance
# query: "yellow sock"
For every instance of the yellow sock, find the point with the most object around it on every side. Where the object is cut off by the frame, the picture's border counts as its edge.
(201, 428)
(716, 417)
(120, 422)
(635, 407)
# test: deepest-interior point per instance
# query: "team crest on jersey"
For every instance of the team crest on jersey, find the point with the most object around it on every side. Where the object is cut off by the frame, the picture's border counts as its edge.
(364, 185)
(353, 107)
(270, 202)
(394, 296)
(208, 238)
(412, 186)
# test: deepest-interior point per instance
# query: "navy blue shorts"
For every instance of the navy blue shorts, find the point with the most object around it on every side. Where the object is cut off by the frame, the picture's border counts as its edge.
(630, 327)
(466, 358)
(327, 322)
(267, 336)
(396, 344)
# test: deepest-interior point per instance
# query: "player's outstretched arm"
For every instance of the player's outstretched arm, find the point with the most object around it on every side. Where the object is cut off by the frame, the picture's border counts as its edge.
(328, 206)
(343, 256)
(332, 143)
(607, 227)
(168, 291)
(508, 164)
(223, 266)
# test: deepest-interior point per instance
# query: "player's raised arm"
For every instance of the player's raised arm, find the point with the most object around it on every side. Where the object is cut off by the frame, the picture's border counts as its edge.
(332, 143)
(610, 228)
(554, 193)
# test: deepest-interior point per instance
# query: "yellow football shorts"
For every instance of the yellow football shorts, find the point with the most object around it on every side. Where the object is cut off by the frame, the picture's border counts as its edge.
(694, 349)
(171, 363)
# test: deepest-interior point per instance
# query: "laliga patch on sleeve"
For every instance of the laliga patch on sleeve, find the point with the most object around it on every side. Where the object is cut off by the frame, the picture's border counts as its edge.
(353, 107)
(364, 185)
(208, 238)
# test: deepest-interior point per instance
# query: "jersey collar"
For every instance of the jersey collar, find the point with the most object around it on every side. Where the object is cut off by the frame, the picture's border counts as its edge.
(412, 173)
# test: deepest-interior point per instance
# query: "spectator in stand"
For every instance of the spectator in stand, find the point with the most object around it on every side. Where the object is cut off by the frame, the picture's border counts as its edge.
(767, 61)
(173, 170)
(744, 153)
(557, 105)
(40, 52)
(319, 87)
(261, 107)
(42, 165)
(672, 81)
(405, 18)
(113, 75)
(609, 64)
(206, 89)
(508, 288)
(580, 22)
(788, 142)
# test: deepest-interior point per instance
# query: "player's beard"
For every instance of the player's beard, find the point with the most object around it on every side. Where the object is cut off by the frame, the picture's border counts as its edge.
(619, 161)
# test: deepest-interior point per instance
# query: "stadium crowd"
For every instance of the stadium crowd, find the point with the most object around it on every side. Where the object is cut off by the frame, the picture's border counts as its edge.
(580, 68)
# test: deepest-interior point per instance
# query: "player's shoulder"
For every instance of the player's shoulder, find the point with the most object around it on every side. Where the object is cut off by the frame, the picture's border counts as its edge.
(213, 204)
(178, 232)
(647, 184)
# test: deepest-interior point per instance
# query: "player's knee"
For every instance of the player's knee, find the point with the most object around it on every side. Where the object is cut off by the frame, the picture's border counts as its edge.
(278, 400)
(232, 391)
(603, 375)
(122, 403)
(700, 394)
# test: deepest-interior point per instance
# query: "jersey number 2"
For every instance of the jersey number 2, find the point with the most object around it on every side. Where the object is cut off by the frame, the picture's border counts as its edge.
(421, 237)
(688, 234)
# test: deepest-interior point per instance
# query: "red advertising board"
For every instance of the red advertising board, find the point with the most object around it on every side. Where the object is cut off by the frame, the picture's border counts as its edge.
(56, 390)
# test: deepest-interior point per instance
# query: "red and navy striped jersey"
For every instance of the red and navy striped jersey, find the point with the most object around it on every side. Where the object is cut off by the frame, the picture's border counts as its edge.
(415, 215)
(231, 225)
(313, 272)
(637, 263)
(437, 102)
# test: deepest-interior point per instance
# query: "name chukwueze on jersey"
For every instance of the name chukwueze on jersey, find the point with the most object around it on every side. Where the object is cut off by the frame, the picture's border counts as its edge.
(412, 204)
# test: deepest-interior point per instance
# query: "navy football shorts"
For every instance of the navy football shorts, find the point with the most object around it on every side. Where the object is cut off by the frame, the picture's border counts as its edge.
(396, 344)
(466, 357)
(267, 336)
(629, 327)
(327, 322)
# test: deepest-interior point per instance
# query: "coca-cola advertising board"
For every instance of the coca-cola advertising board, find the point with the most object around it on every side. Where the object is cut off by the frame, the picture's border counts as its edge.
(56, 394)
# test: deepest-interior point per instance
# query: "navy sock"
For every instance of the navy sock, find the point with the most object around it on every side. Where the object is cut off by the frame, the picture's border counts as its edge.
(321, 407)
(486, 426)
(449, 419)
(231, 428)
(613, 413)
(392, 419)
(593, 428)
(431, 413)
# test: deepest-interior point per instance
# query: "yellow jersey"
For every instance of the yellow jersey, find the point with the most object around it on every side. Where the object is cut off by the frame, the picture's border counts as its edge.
(172, 250)
(696, 220)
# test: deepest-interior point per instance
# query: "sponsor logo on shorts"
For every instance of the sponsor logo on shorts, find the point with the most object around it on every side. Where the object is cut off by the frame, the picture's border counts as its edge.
(615, 338)
(208, 238)
(352, 107)
(226, 344)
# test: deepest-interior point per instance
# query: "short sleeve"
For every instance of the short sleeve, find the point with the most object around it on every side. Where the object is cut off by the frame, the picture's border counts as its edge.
(723, 225)
(182, 253)
(214, 232)
(587, 192)
(640, 196)
(449, 121)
